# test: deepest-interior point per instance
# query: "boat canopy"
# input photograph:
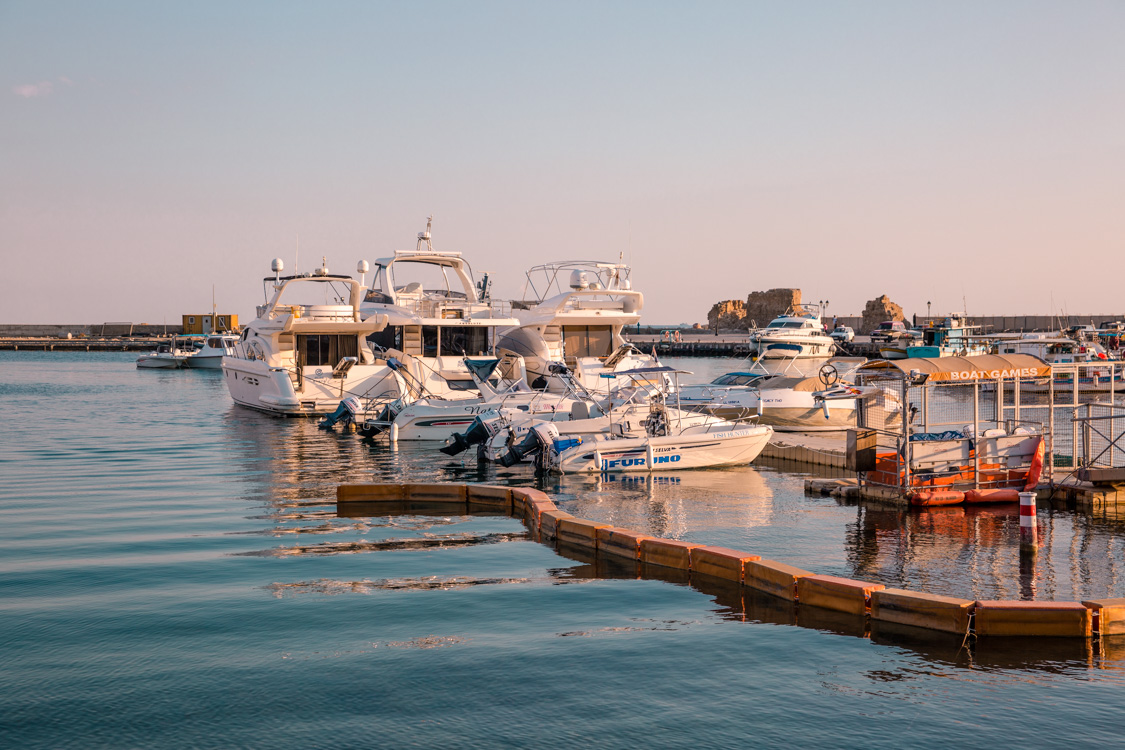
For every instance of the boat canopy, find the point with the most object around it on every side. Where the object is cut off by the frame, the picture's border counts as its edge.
(956, 369)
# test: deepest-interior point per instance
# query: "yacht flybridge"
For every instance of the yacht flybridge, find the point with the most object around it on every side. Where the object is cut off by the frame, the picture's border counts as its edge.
(437, 316)
(579, 324)
(307, 348)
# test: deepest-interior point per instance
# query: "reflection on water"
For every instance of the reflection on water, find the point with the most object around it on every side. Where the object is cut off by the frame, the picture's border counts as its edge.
(174, 575)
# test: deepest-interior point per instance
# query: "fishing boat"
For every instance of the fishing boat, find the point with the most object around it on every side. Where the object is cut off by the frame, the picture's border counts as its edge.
(798, 333)
(953, 337)
(573, 313)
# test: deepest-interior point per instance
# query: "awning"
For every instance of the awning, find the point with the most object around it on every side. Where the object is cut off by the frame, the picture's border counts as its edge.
(967, 369)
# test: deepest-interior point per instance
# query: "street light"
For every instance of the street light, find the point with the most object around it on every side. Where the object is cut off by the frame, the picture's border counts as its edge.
(927, 309)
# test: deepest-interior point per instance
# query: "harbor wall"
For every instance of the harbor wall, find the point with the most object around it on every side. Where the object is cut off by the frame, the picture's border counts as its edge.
(86, 330)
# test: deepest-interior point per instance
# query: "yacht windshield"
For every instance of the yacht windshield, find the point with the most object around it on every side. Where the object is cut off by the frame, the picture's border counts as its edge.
(734, 378)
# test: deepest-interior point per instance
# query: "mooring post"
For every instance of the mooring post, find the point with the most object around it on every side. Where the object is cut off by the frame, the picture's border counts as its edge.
(1029, 532)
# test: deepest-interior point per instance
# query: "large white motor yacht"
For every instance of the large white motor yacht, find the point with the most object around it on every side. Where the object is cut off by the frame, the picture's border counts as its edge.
(798, 333)
(579, 326)
(437, 317)
(307, 348)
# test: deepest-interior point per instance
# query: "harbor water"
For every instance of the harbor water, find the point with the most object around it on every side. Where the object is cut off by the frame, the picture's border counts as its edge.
(173, 574)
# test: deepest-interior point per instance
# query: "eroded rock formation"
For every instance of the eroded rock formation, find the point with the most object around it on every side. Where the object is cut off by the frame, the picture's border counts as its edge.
(728, 314)
(762, 307)
(878, 310)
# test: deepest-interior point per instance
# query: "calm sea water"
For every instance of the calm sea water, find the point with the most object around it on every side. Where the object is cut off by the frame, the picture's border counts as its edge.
(173, 574)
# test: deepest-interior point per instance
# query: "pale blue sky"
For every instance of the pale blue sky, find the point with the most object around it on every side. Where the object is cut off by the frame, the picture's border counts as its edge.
(927, 151)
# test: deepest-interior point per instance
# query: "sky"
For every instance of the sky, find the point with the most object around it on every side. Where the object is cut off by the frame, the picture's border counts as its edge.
(966, 154)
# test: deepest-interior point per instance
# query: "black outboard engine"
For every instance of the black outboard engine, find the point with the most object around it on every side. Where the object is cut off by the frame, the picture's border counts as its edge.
(382, 421)
(344, 414)
(480, 431)
(534, 442)
(656, 425)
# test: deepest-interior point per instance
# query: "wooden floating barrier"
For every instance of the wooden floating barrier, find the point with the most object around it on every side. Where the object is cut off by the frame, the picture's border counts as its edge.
(720, 562)
(782, 585)
(1065, 619)
(928, 611)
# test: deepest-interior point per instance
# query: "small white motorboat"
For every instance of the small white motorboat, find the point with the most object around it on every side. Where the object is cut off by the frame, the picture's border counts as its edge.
(210, 355)
(716, 444)
(168, 356)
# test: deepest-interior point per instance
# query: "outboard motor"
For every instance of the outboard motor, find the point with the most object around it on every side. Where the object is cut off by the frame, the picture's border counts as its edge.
(344, 414)
(656, 425)
(480, 431)
(382, 420)
(538, 438)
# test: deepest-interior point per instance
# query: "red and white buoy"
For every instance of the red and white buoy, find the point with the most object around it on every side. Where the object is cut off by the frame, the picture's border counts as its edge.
(1029, 531)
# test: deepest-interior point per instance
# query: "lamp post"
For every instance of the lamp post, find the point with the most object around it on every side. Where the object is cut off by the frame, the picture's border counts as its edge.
(927, 310)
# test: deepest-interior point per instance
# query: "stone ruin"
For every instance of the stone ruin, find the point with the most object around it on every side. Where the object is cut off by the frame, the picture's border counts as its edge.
(759, 308)
(728, 314)
(762, 307)
(878, 310)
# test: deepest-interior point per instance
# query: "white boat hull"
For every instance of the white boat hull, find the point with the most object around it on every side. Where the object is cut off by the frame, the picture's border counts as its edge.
(254, 384)
(729, 446)
(159, 362)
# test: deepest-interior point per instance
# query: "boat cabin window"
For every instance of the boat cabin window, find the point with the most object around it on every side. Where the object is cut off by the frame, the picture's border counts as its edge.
(325, 350)
(388, 338)
(429, 341)
(470, 340)
(786, 324)
(587, 341)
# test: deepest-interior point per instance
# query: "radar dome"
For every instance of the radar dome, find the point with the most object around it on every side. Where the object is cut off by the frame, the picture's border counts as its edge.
(362, 267)
(276, 265)
(578, 280)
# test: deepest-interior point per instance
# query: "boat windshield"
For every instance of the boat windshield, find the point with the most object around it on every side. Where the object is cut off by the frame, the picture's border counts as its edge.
(735, 378)
(786, 324)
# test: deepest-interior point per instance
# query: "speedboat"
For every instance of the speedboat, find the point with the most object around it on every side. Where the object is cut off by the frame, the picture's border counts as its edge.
(788, 399)
(703, 446)
(579, 325)
(209, 353)
(669, 442)
(438, 418)
(636, 411)
(439, 320)
(799, 333)
(307, 350)
(168, 356)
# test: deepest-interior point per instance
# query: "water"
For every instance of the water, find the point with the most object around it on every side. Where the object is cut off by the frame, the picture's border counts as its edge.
(173, 574)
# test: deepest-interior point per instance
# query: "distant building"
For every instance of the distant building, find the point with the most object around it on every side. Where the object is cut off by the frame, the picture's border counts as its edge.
(203, 324)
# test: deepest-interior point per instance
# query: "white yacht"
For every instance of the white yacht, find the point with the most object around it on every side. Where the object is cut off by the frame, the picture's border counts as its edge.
(307, 349)
(210, 351)
(579, 325)
(437, 318)
(799, 333)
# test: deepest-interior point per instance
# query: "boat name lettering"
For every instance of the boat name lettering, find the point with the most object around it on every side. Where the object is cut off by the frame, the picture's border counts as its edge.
(639, 461)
